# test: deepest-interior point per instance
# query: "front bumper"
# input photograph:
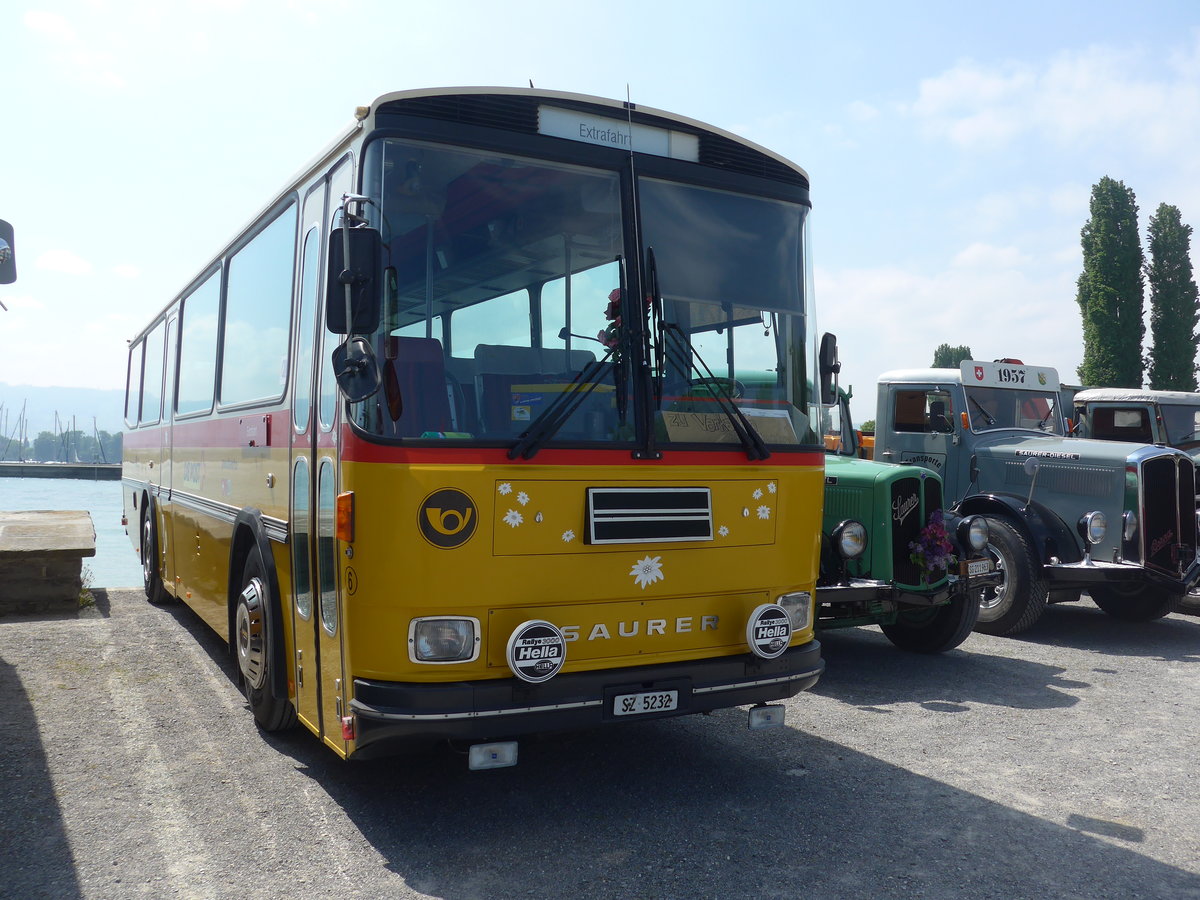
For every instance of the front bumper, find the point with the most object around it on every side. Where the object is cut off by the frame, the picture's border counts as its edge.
(859, 601)
(1094, 572)
(388, 712)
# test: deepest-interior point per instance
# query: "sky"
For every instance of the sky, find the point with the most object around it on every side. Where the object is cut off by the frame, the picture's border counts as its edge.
(951, 147)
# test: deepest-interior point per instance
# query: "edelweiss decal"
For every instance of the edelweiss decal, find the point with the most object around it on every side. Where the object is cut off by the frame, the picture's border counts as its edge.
(647, 570)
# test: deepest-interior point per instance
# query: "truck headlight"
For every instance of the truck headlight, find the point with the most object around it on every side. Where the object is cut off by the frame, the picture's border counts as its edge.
(798, 606)
(1093, 526)
(443, 639)
(850, 538)
(973, 532)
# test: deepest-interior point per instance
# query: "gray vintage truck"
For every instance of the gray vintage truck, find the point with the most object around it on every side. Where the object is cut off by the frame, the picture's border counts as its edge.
(1065, 514)
(890, 554)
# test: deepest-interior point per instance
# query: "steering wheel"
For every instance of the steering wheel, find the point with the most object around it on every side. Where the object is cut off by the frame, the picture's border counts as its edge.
(717, 387)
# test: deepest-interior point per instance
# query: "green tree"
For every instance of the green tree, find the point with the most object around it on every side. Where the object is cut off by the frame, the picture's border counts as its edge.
(1173, 307)
(947, 357)
(1111, 288)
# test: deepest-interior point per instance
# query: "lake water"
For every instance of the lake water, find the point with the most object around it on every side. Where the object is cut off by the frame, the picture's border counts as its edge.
(115, 564)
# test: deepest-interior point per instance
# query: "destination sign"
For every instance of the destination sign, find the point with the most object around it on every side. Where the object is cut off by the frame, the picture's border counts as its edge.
(578, 126)
(1008, 375)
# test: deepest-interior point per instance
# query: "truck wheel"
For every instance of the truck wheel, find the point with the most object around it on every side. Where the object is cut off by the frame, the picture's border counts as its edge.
(1018, 600)
(935, 629)
(253, 642)
(1132, 603)
(151, 580)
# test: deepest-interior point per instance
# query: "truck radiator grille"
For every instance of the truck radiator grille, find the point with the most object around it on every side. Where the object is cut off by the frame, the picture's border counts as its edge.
(1168, 513)
(907, 517)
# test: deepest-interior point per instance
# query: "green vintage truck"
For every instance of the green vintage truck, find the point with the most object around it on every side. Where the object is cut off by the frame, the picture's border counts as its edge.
(891, 555)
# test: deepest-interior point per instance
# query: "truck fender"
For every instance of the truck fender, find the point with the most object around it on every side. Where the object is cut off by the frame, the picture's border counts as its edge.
(1046, 532)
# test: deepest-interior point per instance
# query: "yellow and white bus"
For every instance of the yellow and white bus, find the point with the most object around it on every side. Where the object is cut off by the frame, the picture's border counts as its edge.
(498, 418)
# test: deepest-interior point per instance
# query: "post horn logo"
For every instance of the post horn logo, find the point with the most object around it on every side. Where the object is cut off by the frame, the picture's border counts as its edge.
(447, 518)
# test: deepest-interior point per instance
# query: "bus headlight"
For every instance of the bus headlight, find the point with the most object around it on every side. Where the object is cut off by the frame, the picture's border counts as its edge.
(443, 639)
(850, 538)
(1129, 531)
(1093, 526)
(798, 606)
(973, 532)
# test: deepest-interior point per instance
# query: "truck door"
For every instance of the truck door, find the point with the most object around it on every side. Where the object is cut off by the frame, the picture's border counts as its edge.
(921, 425)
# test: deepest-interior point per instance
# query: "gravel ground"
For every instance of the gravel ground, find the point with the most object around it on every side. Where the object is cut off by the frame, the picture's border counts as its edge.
(1059, 764)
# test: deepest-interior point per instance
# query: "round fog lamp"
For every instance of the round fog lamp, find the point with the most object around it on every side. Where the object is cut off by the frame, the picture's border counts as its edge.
(973, 532)
(1093, 526)
(850, 538)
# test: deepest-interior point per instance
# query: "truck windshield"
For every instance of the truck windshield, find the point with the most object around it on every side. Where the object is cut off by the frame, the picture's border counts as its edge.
(991, 408)
(1182, 424)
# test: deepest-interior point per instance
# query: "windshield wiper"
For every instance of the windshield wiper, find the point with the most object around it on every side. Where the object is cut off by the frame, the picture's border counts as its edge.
(986, 416)
(751, 440)
(555, 415)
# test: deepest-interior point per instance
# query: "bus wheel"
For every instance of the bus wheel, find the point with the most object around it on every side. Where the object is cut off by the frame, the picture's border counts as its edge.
(1132, 603)
(253, 643)
(152, 582)
(1018, 600)
(935, 629)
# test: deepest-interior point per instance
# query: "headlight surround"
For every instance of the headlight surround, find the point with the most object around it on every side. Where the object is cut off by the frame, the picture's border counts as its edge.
(1093, 526)
(850, 539)
(973, 532)
(443, 639)
(798, 606)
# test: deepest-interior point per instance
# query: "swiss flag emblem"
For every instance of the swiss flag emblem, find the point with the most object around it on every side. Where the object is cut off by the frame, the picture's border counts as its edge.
(979, 373)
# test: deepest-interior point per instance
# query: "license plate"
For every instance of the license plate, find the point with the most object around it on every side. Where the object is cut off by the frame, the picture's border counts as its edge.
(977, 566)
(646, 702)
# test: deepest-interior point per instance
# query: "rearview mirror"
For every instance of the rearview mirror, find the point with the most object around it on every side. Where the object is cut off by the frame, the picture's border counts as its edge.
(829, 367)
(355, 369)
(355, 256)
(8, 257)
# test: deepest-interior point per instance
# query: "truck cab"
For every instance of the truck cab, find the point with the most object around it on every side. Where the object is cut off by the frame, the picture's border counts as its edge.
(1064, 514)
(1140, 417)
(890, 553)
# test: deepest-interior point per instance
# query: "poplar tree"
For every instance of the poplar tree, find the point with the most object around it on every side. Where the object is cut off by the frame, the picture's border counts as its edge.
(947, 357)
(1110, 294)
(1173, 307)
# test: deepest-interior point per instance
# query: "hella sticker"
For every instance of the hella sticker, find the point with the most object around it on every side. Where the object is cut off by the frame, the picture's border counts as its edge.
(769, 631)
(536, 651)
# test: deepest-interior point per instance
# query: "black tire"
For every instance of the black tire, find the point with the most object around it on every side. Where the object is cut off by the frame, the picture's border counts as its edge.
(1133, 602)
(935, 629)
(253, 643)
(156, 591)
(1020, 597)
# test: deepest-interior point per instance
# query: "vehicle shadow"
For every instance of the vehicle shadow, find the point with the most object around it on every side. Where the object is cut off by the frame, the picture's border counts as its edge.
(1084, 625)
(35, 854)
(863, 668)
(700, 807)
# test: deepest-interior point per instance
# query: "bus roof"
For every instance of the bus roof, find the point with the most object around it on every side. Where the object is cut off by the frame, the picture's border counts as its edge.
(618, 107)
(920, 376)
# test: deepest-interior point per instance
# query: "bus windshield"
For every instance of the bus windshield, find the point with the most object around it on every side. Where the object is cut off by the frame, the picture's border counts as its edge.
(508, 286)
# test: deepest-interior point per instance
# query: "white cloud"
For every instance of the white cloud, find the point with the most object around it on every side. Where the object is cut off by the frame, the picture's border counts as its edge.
(126, 271)
(894, 318)
(986, 256)
(71, 54)
(64, 262)
(19, 302)
(1099, 95)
